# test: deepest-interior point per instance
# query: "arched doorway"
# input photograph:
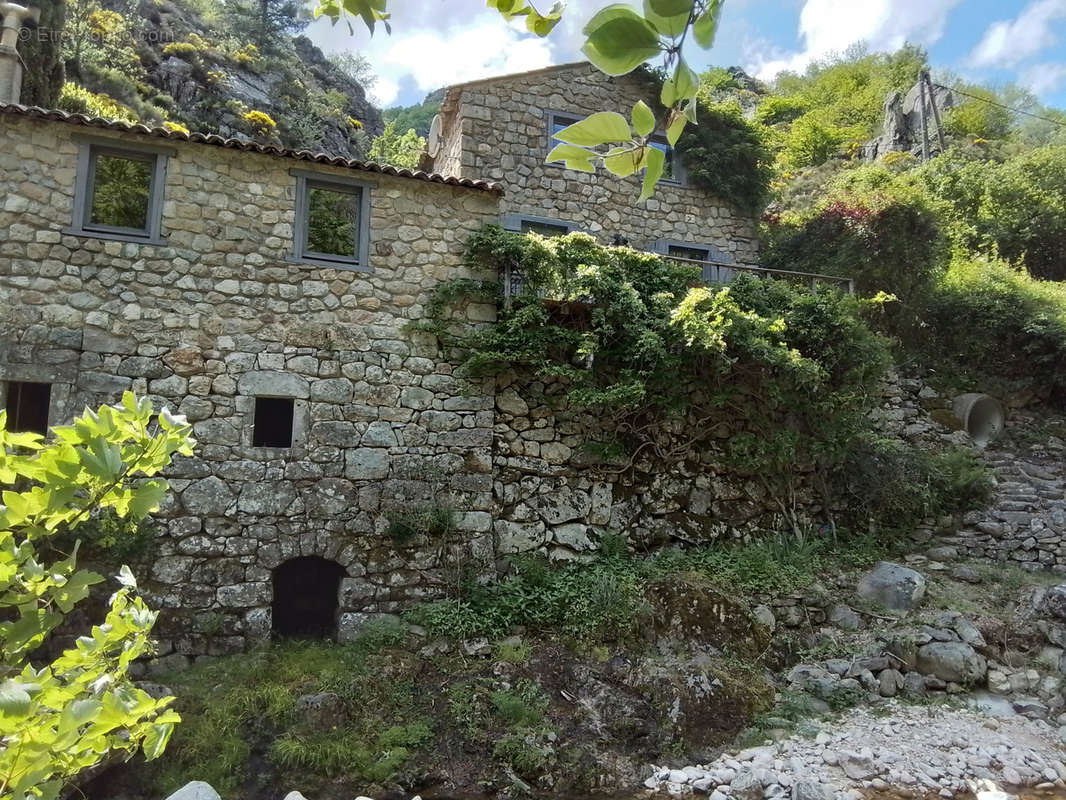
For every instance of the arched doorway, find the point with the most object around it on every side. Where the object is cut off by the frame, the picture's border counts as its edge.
(305, 597)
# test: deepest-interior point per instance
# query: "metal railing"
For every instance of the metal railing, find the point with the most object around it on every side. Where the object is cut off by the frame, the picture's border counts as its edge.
(719, 272)
(713, 272)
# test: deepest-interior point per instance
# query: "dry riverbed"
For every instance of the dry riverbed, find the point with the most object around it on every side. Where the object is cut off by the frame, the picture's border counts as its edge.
(909, 750)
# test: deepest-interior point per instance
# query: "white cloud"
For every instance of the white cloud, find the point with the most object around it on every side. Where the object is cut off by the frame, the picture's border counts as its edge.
(1045, 78)
(1009, 42)
(436, 44)
(384, 92)
(831, 26)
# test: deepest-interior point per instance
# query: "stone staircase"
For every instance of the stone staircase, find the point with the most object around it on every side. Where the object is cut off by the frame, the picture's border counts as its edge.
(1026, 522)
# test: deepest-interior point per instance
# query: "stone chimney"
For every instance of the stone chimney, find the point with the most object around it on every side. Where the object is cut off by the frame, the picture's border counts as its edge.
(12, 18)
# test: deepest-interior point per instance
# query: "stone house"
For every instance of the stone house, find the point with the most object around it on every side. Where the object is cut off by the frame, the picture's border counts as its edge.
(267, 294)
(502, 129)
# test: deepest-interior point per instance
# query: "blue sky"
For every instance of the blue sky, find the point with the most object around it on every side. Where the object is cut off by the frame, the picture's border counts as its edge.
(438, 42)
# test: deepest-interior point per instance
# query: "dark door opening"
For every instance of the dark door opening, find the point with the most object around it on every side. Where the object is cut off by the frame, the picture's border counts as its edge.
(27, 407)
(305, 598)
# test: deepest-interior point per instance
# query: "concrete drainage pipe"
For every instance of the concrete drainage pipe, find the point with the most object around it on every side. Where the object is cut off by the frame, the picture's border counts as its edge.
(980, 415)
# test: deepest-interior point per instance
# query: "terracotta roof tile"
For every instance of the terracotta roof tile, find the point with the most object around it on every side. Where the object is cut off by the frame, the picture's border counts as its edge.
(35, 112)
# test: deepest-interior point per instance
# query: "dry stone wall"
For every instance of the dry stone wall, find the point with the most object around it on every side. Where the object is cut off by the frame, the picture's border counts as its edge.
(559, 489)
(498, 130)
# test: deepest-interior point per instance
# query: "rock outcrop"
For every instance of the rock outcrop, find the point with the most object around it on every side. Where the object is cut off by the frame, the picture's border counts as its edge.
(901, 130)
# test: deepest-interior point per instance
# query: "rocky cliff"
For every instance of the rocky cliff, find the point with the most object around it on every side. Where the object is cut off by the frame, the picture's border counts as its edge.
(195, 70)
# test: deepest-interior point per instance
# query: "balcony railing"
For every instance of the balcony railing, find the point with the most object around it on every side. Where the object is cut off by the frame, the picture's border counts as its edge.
(718, 272)
(713, 272)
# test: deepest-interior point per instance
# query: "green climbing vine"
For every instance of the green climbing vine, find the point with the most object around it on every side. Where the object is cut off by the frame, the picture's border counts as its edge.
(787, 373)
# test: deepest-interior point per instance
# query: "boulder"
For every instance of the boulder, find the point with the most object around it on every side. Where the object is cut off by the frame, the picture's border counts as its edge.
(696, 611)
(195, 790)
(893, 586)
(746, 786)
(952, 661)
(966, 574)
(811, 790)
(844, 618)
(890, 682)
(1055, 601)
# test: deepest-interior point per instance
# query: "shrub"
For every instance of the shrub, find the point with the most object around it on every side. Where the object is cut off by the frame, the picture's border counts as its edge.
(78, 100)
(728, 156)
(248, 57)
(991, 322)
(978, 118)
(260, 122)
(186, 51)
(653, 345)
(811, 142)
(888, 243)
(777, 108)
(175, 127)
(1023, 211)
(893, 486)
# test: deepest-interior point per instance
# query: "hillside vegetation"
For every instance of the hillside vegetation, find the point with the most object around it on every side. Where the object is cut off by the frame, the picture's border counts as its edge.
(971, 245)
(237, 68)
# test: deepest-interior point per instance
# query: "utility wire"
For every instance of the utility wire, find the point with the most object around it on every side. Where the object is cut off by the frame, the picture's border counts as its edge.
(1060, 123)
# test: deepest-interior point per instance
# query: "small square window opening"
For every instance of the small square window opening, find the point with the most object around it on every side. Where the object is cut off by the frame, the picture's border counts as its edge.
(273, 422)
(27, 407)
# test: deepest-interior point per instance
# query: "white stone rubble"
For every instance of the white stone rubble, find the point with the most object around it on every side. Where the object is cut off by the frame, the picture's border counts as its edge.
(907, 748)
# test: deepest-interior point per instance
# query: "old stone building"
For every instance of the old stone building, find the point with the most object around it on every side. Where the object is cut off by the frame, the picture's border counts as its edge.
(268, 295)
(502, 129)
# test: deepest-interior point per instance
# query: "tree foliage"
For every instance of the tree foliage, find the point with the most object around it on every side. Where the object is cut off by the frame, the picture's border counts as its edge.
(44, 73)
(265, 23)
(397, 149)
(64, 716)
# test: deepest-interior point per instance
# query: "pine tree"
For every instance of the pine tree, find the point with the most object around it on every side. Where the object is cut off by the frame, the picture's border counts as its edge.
(43, 78)
(266, 23)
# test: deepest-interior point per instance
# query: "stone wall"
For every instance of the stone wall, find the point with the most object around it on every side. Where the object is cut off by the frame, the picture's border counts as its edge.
(218, 316)
(501, 129)
(1025, 522)
(559, 488)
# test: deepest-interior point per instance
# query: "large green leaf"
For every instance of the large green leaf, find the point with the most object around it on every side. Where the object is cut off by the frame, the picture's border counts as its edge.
(681, 85)
(599, 128)
(706, 25)
(624, 161)
(15, 698)
(155, 740)
(643, 119)
(670, 17)
(654, 165)
(618, 40)
(574, 157)
(675, 126)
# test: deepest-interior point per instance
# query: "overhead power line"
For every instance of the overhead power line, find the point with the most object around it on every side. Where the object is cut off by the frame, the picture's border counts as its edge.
(964, 93)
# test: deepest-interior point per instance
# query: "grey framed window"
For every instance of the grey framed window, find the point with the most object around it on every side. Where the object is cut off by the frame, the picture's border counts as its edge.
(545, 226)
(717, 263)
(119, 190)
(332, 222)
(27, 406)
(672, 170)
